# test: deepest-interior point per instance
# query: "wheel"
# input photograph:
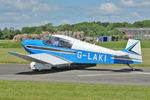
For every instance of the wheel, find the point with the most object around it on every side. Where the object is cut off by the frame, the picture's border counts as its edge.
(133, 69)
(35, 70)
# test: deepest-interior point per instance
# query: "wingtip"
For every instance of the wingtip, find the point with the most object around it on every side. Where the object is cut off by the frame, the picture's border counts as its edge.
(11, 52)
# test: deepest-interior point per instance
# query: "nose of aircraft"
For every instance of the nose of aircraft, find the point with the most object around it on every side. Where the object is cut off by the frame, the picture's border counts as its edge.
(25, 42)
(31, 42)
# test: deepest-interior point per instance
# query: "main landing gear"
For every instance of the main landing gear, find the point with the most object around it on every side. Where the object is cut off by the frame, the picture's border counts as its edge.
(34, 66)
(133, 69)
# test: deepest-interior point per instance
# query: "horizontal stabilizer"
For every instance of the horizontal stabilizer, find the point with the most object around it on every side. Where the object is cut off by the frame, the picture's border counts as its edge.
(43, 58)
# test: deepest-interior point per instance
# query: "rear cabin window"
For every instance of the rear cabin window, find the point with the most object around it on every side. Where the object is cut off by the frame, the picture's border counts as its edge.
(58, 42)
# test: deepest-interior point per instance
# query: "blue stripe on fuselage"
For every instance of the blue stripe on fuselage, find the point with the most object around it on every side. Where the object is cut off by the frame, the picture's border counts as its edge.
(119, 61)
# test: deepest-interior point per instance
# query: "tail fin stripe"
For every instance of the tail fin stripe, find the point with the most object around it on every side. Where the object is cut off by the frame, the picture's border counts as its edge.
(130, 49)
(133, 49)
(132, 46)
(130, 52)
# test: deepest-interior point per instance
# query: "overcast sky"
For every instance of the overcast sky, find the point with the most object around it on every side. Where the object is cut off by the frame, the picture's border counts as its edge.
(21, 13)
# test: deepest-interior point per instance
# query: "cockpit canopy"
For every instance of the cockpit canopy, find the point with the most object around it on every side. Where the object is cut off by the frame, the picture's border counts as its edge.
(57, 41)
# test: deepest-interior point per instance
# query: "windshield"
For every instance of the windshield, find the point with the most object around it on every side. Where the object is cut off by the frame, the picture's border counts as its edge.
(59, 42)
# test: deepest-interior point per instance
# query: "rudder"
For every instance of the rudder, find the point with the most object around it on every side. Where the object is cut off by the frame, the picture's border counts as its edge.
(134, 46)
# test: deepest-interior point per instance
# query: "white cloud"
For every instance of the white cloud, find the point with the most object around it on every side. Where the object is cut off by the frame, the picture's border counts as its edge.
(30, 5)
(20, 5)
(146, 3)
(15, 5)
(135, 14)
(20, 13)
(25, 12)
(108, 8)
(135, 3)
(44, 7)
(64, 21)
(128, 3)
(13, 17)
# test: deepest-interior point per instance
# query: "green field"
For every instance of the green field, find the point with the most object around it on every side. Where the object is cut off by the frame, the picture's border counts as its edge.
(9, 44)
(23, 90)
(115, 44)
(122, 44)
(7, 58)
(6, 46)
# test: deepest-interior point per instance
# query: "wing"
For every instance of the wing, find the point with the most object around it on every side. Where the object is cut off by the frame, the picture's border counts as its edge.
(43, 58)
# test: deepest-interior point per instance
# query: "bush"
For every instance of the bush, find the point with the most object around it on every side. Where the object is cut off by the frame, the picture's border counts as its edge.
(125, 37)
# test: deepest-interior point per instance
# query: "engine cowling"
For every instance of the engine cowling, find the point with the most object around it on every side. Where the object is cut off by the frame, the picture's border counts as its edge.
(34, 66)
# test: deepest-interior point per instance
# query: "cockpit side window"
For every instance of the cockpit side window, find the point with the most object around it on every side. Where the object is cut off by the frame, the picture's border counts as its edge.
(58, 42)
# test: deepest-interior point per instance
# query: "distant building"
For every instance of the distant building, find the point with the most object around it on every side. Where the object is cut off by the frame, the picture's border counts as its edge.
(108, 38)
(104, 38)
(136, 33)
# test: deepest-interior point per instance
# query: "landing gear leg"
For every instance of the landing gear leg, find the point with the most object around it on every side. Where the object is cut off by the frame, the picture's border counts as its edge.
(133, 69)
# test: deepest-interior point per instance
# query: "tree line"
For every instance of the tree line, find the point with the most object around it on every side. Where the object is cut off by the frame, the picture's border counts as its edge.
(93, 29)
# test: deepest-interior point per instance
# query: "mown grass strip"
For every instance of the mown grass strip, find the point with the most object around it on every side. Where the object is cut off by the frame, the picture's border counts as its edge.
(7, 58)
(25, 90)
(6, 45)
(122, 44)
(9, 44)
(115, 44)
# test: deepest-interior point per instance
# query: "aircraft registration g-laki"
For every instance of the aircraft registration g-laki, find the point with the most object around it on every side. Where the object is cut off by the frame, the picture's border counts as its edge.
(59, 51)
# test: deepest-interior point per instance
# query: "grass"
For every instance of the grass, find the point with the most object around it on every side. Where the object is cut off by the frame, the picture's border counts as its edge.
(10, 44)
(122, 44)
(24, 90)
(6, 45)
(7, 58)
(4, 41)
(117, 44)
(146, 58)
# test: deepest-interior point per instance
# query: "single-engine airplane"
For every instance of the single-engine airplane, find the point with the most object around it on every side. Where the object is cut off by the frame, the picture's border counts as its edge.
(60, 50)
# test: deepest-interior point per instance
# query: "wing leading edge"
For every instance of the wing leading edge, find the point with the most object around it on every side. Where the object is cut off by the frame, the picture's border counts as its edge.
(43, 58)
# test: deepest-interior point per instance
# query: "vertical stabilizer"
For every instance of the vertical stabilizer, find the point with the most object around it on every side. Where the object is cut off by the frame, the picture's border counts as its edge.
(134, 46)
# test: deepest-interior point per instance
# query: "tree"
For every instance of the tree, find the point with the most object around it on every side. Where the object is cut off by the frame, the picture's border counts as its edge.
(138, 24)
(105, 24)
(116, 32)
(28, 30)
(1, 34)
(5, 33)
